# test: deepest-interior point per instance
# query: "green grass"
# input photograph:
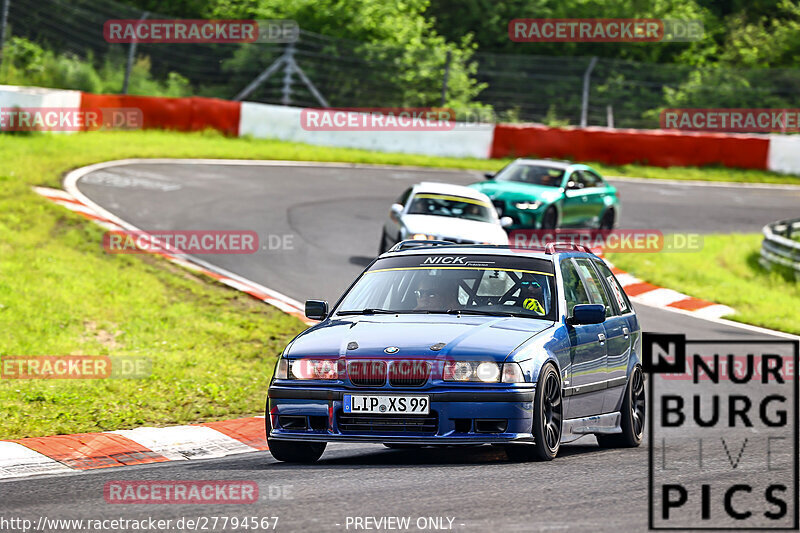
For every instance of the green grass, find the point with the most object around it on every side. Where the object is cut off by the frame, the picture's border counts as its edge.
(726, 271)
(720, 174)
(212, 348)
(87, 148)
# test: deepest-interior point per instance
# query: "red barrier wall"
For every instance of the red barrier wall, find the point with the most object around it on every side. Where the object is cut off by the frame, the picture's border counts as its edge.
(619, 147)
(182, 114)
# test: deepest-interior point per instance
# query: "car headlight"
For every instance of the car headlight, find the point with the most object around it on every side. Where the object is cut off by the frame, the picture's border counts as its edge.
(282, 369)
(423, 237)
(528, 205)
(488, 372)
(325, 369)
(485, 371)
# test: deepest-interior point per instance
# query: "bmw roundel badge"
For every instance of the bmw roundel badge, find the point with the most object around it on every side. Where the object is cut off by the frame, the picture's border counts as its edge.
(391, 349)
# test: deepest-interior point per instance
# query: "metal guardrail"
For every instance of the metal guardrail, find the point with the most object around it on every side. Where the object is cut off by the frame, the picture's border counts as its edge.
(779, 249)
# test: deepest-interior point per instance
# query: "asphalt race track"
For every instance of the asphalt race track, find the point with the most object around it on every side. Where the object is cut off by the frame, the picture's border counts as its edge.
(334, 215)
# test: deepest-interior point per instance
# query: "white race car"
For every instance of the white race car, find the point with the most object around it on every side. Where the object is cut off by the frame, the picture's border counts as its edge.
(439, 211)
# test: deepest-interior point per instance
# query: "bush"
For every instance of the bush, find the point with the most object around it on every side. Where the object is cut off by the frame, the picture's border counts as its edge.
(27, 63)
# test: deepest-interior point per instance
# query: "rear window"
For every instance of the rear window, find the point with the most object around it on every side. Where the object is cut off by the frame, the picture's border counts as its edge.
(444, 205)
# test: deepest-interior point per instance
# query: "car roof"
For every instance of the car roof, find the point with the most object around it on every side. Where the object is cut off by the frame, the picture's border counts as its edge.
(486, 250)
(448, 188)
(561, 165)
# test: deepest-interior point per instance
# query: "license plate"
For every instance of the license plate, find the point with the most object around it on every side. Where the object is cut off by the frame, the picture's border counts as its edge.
(374, 404)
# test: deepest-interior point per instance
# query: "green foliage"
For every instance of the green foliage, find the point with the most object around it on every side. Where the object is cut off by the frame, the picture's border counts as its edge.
(552, 119)
(374, 53)
(27, 63)
(404, 54)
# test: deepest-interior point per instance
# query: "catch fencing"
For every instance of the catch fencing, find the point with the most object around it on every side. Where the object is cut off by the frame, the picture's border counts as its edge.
(319, 70)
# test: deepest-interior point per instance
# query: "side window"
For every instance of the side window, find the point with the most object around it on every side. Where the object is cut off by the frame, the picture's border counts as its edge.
(576, 180)
(594, 286)
(404, 197)
(574, 291)
(590, 179)
(623, 303)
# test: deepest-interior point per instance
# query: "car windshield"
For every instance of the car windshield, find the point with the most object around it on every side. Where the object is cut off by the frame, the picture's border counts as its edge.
(457, 284)
(532, 174)
(444, 205)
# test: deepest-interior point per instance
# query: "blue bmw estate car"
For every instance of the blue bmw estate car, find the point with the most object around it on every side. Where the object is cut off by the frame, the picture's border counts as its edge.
(443, 344)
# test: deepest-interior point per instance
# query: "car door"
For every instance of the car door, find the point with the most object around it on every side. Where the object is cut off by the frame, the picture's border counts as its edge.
(587, 375)
(620, 327)
(584, 194)
(595, 191)
(573, 210)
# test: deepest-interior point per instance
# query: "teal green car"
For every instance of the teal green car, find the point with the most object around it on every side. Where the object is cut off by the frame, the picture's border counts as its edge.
(544, 194)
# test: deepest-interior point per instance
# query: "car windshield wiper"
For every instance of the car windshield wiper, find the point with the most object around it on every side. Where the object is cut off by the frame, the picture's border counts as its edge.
(486, 313)
(368, 311)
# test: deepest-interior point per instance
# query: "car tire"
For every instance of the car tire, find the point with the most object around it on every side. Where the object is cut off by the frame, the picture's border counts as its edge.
(292, 451)
(548, 414)
(550, 218)
(633, 415)
(608, 220)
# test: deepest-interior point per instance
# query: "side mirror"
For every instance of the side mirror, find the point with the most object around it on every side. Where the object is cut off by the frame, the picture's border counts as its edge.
(587, 314)
(396, 209)
(316, 309)
(489, 175)
(506, 221)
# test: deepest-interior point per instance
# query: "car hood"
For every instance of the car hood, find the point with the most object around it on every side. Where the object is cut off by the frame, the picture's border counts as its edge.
(488, 338)
(510, 190)
(456, 228)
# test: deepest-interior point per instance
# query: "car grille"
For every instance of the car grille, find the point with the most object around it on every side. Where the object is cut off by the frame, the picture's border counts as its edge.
(499, 205)
(367, 373)
(401, 373)
(349, 423)
(409, 373)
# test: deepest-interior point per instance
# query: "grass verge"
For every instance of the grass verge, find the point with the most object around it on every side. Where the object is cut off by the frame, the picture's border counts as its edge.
(87, 148)
(725, 271)
(212, 348)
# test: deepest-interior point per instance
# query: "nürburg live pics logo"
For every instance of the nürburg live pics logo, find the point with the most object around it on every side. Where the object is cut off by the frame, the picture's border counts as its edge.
(723, 433)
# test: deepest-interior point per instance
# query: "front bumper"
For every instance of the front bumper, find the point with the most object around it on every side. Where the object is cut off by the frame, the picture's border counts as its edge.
(523, 218)
(457, 416)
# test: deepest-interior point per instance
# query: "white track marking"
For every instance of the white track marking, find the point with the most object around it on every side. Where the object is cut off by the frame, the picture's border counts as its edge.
(659, 297)
(179, 443)
(70, 184)
(18, 461)
(626, 279)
